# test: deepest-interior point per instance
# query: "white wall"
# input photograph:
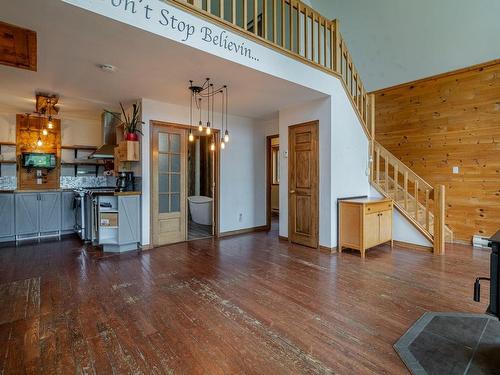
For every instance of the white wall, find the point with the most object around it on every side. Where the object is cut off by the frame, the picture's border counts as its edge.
(343, 146)
(242, 178)
(315, 110)
(349, 157)
(74, 131)
(394, 41)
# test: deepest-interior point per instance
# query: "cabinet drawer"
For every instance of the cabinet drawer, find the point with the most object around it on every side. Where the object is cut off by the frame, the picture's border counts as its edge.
(378, 207)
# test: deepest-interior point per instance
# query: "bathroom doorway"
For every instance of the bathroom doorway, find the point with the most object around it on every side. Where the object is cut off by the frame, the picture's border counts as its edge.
(184, 183)
(273, 182)
(201, 186)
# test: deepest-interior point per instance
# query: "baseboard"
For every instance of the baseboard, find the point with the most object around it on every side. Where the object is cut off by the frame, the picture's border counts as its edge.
(146, 247)
(328, 250)
(237, 232)
(412, 246)
(283, 238)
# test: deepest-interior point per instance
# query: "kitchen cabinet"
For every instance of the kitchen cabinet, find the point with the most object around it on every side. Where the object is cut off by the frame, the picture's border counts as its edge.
(27, 214)
(68, 211)
(364, 223)
(38, 214)
(49, 211)
(119, 222)
(7, 229)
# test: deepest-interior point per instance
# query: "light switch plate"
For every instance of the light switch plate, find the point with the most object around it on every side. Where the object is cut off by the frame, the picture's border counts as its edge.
(456, 170)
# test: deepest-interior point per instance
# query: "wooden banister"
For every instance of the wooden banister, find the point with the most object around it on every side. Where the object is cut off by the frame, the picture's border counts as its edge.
(313, 35)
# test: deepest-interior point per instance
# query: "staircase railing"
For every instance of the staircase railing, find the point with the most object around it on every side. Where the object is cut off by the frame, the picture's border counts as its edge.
(292, 27)
(420, 202)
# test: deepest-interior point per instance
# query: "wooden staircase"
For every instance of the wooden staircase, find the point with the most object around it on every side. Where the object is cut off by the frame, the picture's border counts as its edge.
(297, 30)
(422, 204)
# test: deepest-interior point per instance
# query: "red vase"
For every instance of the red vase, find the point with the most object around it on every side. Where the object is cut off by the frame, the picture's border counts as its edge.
(131, 137)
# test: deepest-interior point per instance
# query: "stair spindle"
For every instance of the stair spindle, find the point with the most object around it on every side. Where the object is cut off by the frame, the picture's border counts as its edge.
(427, 214)
(416, 199)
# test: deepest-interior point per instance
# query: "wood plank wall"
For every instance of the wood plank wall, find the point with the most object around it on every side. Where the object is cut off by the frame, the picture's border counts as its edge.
(444, 121)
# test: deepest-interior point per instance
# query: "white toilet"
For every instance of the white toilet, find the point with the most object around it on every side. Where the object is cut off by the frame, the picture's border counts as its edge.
(200, 208)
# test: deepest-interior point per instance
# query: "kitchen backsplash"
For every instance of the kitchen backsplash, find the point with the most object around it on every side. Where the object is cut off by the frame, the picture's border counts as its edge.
(10, 183)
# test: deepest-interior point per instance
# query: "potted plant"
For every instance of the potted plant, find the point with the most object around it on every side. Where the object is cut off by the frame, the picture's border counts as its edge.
(131, 122)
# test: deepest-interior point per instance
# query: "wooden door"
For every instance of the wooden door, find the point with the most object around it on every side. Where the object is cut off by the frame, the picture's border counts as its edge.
(303, 189)
(385, 226)
(169, 184)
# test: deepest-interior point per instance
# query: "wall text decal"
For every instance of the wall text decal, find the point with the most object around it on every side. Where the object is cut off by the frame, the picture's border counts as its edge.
(168, 19)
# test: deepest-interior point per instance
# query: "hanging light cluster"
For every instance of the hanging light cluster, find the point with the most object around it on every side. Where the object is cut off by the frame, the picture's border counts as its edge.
(45, 106)
(208, 93)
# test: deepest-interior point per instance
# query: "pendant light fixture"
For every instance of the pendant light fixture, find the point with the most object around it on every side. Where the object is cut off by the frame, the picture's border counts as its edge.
(226, 133)
(222, 141)
(208, 92)
(39, 141)
(191, 136)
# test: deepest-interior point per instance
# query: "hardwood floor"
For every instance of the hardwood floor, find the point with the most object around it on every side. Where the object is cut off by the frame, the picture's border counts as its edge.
(247, 304)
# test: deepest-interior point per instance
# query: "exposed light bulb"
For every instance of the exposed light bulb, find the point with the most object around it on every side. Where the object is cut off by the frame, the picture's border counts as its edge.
(39, 142)
(212, 147)
(191, 137)
(45, 132)
(226, 137)
(209, 131)
(50, 125)
(200, 126)
(222, 144)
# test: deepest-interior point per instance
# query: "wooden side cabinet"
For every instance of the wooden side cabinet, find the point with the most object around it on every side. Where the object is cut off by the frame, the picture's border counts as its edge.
(364, 223)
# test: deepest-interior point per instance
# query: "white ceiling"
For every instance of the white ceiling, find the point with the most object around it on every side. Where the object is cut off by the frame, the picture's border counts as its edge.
(396, 41)
(73, 42)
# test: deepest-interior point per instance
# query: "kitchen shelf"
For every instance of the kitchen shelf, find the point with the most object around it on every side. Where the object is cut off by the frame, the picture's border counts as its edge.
(113, 210)
(79, 147)
(81, 163)
(8, 162)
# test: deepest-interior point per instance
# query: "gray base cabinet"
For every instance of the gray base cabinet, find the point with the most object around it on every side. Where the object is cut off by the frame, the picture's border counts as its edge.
(27, 214)
(7, 217)
(68, 218)
(119, 223)
(34, 215)
(49, 211)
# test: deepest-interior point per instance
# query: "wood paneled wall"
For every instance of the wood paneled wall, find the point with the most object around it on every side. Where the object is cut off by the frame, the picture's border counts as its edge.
(27, 134)
(446, 121)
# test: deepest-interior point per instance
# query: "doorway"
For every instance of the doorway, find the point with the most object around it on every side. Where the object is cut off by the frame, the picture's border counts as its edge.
(184, 183)
(272, 182)
(303, 184)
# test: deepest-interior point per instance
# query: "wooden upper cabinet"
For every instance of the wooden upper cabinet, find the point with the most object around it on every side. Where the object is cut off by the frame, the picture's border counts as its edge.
(18, 47)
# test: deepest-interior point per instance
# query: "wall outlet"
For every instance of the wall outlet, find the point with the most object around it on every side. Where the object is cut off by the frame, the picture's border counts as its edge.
(285, 154)
(456, 170)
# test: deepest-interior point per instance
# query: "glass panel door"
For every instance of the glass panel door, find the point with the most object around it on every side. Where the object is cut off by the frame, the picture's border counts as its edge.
(169, 185)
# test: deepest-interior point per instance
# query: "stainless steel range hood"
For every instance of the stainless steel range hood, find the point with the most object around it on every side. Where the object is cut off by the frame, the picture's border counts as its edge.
(109, 124)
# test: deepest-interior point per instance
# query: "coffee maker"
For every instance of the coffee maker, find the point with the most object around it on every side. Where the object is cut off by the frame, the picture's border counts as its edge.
(125, 181)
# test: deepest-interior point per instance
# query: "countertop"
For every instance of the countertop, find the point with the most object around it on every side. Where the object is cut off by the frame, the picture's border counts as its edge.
(34, 191)
(367, 200)
(117, 193)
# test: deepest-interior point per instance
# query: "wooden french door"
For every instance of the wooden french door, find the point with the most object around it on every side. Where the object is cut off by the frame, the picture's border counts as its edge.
(303, 181)
(169, 150)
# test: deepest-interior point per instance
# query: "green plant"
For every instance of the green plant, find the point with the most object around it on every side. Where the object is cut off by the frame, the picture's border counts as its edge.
(130, 123)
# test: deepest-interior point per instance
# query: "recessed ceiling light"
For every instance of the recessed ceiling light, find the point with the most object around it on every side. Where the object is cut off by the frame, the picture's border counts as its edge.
(107, 68)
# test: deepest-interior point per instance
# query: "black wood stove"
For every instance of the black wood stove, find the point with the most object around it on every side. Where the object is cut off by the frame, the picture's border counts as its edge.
(494, 308)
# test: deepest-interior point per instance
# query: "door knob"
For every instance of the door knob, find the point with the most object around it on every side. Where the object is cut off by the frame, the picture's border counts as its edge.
(292, 191)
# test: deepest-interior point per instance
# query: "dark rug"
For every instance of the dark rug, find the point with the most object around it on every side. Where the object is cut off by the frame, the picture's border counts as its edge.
(452, 343)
